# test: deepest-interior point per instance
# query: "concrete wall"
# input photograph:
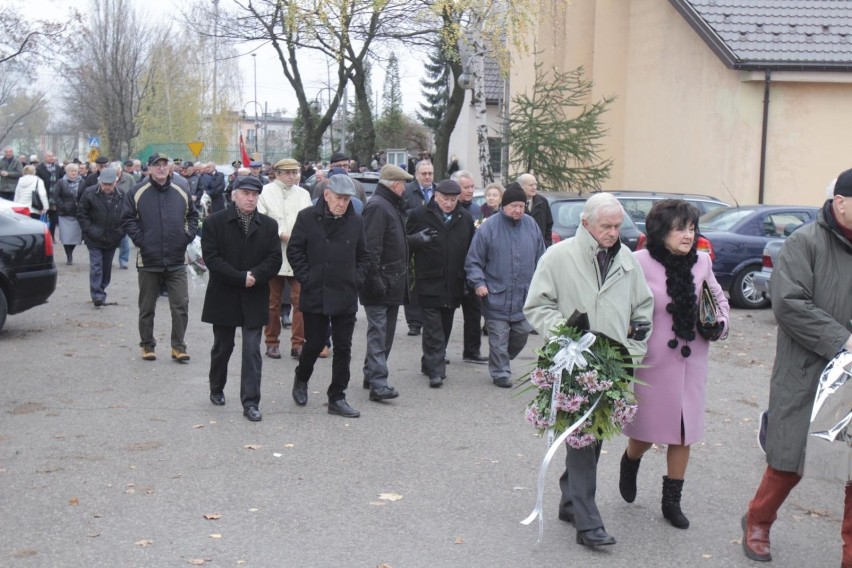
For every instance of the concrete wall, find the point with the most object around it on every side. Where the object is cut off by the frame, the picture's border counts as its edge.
(684, 122)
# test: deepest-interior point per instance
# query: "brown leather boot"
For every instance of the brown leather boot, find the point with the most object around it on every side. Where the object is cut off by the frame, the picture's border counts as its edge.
(763, 510)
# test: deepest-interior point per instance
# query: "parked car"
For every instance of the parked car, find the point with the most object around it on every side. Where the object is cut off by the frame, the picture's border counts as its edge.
(761, 279)
(737, 237)
(637, 204)
(27, 270)
(566, 209)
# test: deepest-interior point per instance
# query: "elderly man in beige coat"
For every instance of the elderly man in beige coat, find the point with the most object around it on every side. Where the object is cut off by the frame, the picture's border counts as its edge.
(282, 200)
(592, 273)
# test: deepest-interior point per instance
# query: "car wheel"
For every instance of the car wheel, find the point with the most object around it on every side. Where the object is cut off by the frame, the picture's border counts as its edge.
(744, 293)
(4, 308)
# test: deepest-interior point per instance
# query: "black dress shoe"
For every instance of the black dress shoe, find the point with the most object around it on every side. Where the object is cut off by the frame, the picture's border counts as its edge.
(595, 537)
(253, 414)
(476, 358)
(383, 393)
(217, 399)
(300, 392)
(436, 382)
(342, 408)
(366, 384)
(413, 330)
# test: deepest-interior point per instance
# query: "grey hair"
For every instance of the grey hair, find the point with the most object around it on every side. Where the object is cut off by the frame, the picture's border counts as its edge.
(524, 178)
(387, 183)
(422, 163)
(599, 203)
(456, 177)
(494, 185)
(72, 167)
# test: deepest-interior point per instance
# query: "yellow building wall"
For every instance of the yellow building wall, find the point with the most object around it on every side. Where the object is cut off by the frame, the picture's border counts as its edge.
(682, 121)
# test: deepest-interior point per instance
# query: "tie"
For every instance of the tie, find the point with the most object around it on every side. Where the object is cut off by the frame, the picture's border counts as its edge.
(602, 263)
(427, 193)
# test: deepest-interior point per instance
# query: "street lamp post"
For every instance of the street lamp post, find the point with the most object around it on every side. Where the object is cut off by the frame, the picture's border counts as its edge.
(257, 119)
(256, 123)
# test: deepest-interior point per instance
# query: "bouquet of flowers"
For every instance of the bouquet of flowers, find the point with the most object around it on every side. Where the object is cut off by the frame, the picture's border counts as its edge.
(195, 268)
(582, 381)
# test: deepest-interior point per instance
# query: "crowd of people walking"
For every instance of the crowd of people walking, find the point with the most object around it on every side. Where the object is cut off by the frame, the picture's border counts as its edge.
(269, 242)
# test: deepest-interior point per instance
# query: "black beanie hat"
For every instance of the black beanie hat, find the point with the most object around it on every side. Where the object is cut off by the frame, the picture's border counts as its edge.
(512, 194)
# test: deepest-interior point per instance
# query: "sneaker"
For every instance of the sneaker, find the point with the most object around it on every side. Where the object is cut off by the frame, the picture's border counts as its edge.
(180, 355)
(148, 354)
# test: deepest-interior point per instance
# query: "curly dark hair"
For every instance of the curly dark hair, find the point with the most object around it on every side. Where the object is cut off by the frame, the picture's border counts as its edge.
(665, 216)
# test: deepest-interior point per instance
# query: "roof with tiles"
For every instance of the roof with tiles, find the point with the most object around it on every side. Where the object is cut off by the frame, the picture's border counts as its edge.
(811, 35)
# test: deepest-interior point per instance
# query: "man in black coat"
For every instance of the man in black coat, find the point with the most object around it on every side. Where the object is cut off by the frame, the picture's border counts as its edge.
(212, 182)
(417, 193)
(439, 277)
(387, 280)
(99, 215)
(50, 172)
(329, 257)
(241, 249)
(537, 207)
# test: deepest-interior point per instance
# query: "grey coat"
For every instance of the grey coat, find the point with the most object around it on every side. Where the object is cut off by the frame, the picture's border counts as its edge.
(812, 305)
(503, 257)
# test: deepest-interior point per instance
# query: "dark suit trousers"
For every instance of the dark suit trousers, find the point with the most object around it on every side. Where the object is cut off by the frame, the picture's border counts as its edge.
(316, 335)
(252, 362)
(578, 484)
(472, 311)
(437, 327)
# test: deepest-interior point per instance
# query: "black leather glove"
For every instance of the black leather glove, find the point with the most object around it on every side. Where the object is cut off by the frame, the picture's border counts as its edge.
(638, 330)
(422, 237)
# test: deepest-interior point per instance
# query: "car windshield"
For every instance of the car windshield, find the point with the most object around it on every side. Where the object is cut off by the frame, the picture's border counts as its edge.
(723, 219)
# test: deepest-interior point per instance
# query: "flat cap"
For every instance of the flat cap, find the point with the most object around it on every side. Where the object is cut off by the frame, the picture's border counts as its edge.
(338, 157)
(156, 157)
(448, 187)
(102, 160)
(254, 164)
(341, 185)
(390, 172)
(287, 164)
(250, 183)
(108, 175)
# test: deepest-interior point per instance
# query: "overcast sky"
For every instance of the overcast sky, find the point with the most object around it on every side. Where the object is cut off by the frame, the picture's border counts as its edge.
(272, 86)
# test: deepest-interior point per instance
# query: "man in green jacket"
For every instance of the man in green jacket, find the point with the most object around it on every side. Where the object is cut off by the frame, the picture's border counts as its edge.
(812, 304)
(10, 172)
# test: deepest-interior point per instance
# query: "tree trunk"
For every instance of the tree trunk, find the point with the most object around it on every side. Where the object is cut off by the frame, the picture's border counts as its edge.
(477, 65)
(362, 100)
(441, 157)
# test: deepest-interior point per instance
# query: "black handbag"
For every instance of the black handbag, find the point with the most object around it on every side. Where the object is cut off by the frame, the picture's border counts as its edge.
(709, 326)
(37, 205)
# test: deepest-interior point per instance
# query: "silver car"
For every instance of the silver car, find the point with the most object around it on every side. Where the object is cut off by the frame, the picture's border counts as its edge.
(761, 279)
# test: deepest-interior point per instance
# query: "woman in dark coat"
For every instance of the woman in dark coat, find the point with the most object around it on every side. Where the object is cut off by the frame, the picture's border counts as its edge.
(328, 253)
(65, 197)
(439, 277)
(242, 251)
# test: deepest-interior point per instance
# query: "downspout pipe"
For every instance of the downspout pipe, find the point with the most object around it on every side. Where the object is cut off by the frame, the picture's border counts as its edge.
(762, 184)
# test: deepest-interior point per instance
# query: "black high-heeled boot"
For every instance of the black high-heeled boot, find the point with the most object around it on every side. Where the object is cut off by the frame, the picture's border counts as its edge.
(671, 503)
(627, 477)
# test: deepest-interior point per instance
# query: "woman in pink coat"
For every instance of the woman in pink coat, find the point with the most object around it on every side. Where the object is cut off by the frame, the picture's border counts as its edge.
(671, 402)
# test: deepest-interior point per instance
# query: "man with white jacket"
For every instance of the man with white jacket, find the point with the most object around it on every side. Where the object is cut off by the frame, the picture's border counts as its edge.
(282, 200)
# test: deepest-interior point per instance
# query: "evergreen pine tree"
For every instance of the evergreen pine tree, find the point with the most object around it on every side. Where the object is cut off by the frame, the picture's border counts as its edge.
(435, 89)
(390, 128)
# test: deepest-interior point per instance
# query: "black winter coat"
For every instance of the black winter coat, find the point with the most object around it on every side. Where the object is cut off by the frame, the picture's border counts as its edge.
(65, 197)
(439, 277)
(541, 214)
(161, 221)
(384, 230)
(99, 216)
(229, 254)
(329, 259)
(50, 179)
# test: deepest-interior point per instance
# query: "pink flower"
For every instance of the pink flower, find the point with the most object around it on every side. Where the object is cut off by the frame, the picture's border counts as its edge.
(542, 379)
(579, 440)
(538, 421)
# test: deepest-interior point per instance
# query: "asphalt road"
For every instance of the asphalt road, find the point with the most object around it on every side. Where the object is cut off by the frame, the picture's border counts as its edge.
(108, 460)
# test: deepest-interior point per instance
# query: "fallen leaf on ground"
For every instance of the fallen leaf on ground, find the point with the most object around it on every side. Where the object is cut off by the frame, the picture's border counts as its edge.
(252, 446)
(383, 566)
(198, 426)
(215, 535)
(213, 516)
(289, 445)
(377, 503)
(459, 540)
(144, 542)
(276, 455)
(73, 501)
(198, 561)
(390, 496)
